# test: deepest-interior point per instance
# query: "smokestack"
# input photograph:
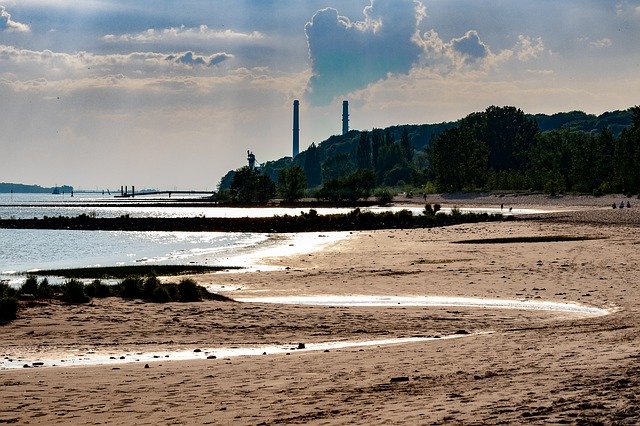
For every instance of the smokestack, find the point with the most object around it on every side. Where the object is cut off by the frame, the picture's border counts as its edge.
(296, 128)
(345, 117)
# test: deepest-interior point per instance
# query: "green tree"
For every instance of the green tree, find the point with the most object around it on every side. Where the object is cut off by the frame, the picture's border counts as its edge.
(292, 183)
(312, 168)
(251, 186)
(352, 187)
(459, 160)
(363, 152)
(336, 167)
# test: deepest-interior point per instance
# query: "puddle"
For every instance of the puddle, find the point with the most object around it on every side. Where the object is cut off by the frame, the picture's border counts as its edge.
(51, 360)
(439, 301)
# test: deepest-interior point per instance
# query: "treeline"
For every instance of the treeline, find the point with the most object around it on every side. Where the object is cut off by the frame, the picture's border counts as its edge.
(19, 188)
(501, 148)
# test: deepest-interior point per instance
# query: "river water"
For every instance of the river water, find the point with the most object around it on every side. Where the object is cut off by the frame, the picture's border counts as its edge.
(27, 250)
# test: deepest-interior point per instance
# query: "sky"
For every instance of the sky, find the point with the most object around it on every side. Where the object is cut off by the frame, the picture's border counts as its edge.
(171, 94)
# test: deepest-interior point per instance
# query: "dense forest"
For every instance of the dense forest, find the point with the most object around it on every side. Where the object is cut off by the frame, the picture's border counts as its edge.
(501, 148)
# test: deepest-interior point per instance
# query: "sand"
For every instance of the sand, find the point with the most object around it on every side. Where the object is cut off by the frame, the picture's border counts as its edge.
(515, 366)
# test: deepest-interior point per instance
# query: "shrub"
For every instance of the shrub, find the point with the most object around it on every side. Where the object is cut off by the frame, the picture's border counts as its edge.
(98, 289)
(45, 290)
(150, 285)
(384, 196)
(30, 286)
(7, 291)
(436, 208)
(189, 291)
(161, 295)
(428, 210)
(73, 292)
(8, 308)
(131, 287)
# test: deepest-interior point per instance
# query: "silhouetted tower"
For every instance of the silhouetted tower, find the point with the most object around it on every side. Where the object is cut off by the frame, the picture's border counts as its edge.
(251, 158)
(345, 117)
(296, 128)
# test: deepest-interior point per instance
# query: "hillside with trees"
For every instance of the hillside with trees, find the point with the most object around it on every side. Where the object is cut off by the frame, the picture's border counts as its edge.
(498, 149)
(20, 188)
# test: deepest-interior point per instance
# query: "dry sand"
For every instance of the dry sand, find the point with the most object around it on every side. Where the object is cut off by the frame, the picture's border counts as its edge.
(534, 367)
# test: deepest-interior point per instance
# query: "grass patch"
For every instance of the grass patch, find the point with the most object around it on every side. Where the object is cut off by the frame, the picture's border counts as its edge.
(537, 239)
(120, 272)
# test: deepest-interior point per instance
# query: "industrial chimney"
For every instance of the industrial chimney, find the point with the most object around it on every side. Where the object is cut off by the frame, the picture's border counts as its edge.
(296, 128)
(345, 117)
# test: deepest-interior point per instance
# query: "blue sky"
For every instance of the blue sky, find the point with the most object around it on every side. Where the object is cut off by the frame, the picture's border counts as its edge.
(171, 94)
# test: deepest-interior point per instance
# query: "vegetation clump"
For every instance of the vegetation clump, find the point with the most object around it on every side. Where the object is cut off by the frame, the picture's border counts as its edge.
(8, 303)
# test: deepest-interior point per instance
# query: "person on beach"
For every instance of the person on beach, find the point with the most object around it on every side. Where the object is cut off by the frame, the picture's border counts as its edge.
(621, 204)
(614, 205)
(628, 205)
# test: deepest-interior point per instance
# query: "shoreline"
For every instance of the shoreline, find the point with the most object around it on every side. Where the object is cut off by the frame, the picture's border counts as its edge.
(536, 366)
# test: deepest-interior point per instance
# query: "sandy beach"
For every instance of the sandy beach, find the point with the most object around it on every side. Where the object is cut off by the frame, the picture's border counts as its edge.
(507, 365)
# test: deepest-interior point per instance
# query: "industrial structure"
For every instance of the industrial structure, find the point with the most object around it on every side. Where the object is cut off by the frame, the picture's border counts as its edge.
(345, 117)
(296, 128)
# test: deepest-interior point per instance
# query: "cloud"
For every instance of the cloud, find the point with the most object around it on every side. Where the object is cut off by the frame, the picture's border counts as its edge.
(7, 24)
(189, 58)
(347, 55)
(469, 48)
(34, 64)
(528, 49)
(468, 53)
(603, 42)
(182, 33)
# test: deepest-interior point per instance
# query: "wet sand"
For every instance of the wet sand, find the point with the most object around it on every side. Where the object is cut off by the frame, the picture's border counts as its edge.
(532, 367)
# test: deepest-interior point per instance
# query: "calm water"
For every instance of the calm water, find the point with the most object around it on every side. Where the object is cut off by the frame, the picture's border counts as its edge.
(25, 250)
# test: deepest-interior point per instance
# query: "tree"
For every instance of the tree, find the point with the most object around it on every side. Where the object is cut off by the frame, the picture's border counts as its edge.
(312, 168)
(251, 186)
(459, 160)
(292, 183)
(508, 133)
(352, 187)
(336, 167)
(363, 152)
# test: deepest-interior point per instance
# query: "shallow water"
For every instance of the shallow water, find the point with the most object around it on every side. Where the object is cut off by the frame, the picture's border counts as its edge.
(67, 360)
(382, 301)
(23, 250)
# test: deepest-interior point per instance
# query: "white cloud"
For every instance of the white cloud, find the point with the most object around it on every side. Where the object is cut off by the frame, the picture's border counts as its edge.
(53, 65)
(183, 33)
(528, 49)
(603, 42)
(7, 24)
(468, 52)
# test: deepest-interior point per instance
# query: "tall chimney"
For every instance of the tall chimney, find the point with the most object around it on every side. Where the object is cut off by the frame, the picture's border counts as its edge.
(345, 117)
(296, 128)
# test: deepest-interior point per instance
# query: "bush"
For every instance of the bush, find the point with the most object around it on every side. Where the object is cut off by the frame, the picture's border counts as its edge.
(30, 286)
(98, 289)
(45, 290)
(384, 196)
(8, 308)
(161, 295)
(150, 285)
(73, 291)
(131, 287)
(189, 291)
(7, 291)
(436, 208)
(428, 210)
